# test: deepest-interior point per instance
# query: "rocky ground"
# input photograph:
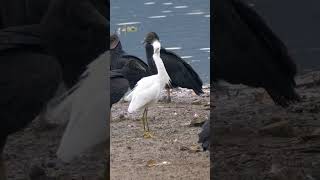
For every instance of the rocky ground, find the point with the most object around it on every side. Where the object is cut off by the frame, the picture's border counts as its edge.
(257, 140)
(173, 152)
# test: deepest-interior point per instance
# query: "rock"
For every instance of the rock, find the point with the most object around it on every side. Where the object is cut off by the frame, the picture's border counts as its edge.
(196, 102)
(278, 129)
(184, 148)
(121, 117)
(37, 172)
(197, 121)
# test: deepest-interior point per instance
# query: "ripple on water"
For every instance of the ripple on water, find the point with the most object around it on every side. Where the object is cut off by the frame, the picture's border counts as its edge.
(166, 11)
(180, 7)
(186, 57)
(149, 3)
(195, 13)
(173, 48)
(156, 17)
(167, 3)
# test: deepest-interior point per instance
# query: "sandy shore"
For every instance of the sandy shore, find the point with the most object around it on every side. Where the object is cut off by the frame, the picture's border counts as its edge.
(173, 152)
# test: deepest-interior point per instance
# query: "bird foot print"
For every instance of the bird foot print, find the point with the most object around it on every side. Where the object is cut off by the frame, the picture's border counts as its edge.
(147, 135)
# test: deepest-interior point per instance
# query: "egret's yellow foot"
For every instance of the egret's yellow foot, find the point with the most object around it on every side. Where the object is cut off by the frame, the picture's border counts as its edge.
(147, 134)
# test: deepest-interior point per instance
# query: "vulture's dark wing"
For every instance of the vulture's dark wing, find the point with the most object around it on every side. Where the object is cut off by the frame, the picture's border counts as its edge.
(180, 72)
(119, 85)
(248, 52)
(134, 69)
(276, 47)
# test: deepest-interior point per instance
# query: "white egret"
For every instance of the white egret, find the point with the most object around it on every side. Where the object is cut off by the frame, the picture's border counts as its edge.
(148, 89)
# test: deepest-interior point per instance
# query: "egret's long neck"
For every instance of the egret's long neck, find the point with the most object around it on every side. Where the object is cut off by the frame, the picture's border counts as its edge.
(162, 72)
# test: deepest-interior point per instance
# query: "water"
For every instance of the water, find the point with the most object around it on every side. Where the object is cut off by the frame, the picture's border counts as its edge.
(182, 25)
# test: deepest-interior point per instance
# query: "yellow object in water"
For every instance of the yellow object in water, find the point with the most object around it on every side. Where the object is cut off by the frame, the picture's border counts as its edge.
(132, 29)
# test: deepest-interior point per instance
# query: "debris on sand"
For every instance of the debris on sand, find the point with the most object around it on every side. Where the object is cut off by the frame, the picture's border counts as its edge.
(153, 163)
(278, 129)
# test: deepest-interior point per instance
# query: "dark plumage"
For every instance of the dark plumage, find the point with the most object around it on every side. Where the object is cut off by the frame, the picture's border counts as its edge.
(248, 52)
(22, 12)
(131, 66)
(33, 64)
(180, 72)
(127, 76)
(119, 85)
(76, 33)
(28, 81)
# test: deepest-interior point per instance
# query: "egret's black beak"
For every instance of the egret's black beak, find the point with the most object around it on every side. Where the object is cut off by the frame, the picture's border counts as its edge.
(143, 42)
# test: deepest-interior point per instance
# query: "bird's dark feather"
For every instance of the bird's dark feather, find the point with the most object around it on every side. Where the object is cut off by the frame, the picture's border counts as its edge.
(248, 52)
(180, 72)
(119, 85)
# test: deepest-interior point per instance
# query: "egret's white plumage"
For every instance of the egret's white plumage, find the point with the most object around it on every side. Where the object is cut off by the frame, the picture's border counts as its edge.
(87, 106)
(148, 89)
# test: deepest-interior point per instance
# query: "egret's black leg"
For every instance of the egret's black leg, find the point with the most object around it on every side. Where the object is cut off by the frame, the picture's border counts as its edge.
(147, 133)
(143, 121)
(168, 100)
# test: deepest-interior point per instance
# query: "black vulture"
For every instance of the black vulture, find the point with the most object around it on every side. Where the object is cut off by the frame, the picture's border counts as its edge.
(33, 64)
(131, 66)
(180, 72)
(246, 51)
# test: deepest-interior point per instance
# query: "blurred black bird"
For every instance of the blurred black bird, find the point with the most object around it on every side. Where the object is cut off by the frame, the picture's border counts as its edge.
(36, 58)
(180, 72)
(248, 52)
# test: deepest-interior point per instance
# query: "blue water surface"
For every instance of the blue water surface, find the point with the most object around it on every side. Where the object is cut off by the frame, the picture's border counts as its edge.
(182, 25)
